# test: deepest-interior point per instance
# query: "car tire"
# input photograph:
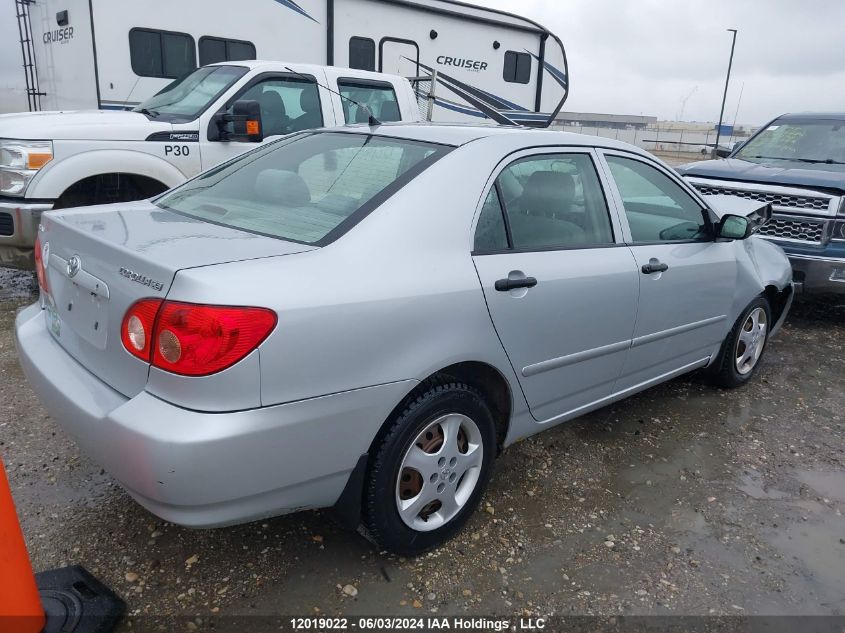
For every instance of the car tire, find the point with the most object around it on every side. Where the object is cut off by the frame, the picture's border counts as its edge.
(743, 349)
(438, 498)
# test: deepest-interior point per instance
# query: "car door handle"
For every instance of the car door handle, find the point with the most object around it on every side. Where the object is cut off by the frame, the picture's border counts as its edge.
(503, 285)
(654, 266)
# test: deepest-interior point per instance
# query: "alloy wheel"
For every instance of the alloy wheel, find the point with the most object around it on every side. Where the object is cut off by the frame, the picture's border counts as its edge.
(439, 472)
(751, 341)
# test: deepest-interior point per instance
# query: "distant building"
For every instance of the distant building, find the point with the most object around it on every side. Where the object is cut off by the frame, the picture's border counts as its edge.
(593, 119)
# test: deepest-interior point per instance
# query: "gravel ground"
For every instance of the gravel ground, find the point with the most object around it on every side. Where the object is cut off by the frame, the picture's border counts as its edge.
(682, 500)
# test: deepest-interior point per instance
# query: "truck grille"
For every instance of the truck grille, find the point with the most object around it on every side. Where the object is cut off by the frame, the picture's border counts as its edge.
(777, 199)
(799, 229)
(7, 225)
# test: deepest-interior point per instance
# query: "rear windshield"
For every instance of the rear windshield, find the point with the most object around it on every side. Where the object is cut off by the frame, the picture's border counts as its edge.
(308, 188)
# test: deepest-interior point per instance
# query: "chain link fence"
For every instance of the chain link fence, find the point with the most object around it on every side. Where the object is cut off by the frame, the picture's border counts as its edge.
(670, 141)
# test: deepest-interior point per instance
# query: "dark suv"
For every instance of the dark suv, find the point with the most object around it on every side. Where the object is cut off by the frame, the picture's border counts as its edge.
(796, 162)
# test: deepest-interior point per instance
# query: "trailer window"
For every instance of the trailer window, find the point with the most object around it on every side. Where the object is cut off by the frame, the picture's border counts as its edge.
(379, 97)
(362, 53)
(517, 67)
(219, 49)
(161, 53)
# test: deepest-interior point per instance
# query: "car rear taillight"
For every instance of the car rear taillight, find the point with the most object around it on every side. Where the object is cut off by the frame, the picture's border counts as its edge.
(137, 329)
(40, 265)
(192, 339)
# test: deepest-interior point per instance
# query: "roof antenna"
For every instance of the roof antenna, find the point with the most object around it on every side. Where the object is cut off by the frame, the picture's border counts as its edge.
(372, 121)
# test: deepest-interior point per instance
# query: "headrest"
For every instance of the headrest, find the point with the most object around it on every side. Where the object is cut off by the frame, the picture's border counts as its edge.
(389, 112)
(271, 102)
(309, 100)
(282, 187)
(547, 193)
(361, 116)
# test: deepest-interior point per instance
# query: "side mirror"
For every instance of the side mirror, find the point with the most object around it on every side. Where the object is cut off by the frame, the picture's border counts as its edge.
(246, 123)
(723, 152)
(733, 227)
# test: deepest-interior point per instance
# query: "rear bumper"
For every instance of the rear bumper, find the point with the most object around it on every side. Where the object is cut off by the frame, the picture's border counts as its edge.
(23, 217)
(207, 469)
(815, 274)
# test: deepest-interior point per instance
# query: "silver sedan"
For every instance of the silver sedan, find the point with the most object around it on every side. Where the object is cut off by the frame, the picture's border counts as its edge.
(363, 318)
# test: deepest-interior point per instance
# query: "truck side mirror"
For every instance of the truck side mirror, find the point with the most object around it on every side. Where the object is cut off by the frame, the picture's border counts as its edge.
(723, 152)
(246, 123)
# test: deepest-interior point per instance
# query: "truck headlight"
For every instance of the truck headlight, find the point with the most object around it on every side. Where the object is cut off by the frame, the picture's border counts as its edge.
(19, 162)
(839, 231)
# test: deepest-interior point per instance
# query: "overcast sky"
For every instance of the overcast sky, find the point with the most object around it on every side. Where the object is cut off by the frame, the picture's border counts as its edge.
(645, 56)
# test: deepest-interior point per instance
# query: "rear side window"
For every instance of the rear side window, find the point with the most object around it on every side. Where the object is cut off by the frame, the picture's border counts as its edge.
(490, 233)
(380, 98)
(517, 67)
(309, 188)
(219, 49)
(554, 201)
(161, 53)
(362, 53)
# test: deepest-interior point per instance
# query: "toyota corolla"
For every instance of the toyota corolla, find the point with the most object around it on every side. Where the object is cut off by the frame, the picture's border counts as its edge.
(363, 318)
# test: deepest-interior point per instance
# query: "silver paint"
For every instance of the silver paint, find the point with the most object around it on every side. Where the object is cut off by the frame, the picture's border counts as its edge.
(362, 322)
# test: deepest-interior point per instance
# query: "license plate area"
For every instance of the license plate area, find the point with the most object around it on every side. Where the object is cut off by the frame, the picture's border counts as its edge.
(73, 308)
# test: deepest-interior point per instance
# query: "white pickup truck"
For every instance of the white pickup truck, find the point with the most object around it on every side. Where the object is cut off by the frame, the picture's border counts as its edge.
(52, 160)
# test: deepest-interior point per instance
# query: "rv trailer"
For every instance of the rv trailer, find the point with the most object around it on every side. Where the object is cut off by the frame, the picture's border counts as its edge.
(113, 54)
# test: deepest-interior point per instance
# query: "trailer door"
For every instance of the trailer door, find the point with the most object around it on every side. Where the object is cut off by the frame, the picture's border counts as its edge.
(399, 57)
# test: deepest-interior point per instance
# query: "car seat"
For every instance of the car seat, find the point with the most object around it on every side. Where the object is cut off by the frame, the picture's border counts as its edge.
(311, 116)
(537, 216)
(280, 186)
(389, 112)
(273, 116)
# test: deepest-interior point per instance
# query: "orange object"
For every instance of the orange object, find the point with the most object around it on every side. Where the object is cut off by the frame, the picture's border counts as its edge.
(252, 128)
(20, 604)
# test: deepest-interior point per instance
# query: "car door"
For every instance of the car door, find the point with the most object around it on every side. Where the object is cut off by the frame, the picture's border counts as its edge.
(686, 277)
(289, 103)
(560, 285)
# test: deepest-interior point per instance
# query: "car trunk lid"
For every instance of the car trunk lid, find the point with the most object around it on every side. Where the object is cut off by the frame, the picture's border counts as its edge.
(101, 260)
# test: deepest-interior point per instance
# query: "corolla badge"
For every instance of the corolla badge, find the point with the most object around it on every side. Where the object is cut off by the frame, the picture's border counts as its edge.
(138, 278)
(74, 265)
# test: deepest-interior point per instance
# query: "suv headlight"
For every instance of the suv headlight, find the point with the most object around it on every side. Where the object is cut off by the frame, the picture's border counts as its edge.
(19, 162)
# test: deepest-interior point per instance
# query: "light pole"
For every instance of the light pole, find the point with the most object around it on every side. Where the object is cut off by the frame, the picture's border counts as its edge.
(725, 95)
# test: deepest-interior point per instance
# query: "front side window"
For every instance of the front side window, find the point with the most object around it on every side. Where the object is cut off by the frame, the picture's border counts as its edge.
(657, 208)
(288, 104)
(217, 49)
(186, 98)
(362, 53)
(554, 201)
(308, 188)
(161, 53)
(379, 98)
(517, 67)
(813, 141)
